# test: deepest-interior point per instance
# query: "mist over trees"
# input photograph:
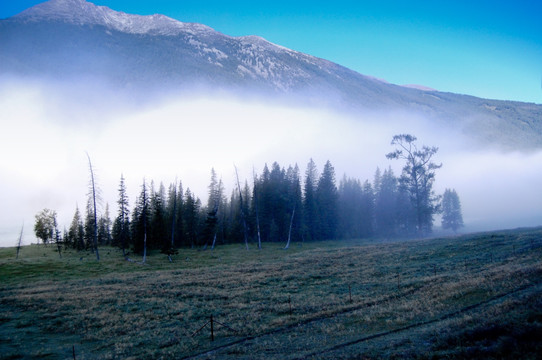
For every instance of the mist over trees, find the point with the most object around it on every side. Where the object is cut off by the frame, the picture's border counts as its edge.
(417, 179)
(452, 217)
(282, 205)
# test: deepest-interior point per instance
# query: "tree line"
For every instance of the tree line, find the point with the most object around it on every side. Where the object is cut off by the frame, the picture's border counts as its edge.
(278, 205)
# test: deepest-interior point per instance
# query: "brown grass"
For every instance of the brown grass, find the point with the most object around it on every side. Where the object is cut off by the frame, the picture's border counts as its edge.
(117, 309)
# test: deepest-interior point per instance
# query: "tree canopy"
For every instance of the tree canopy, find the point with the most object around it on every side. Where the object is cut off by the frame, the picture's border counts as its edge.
(280, 206)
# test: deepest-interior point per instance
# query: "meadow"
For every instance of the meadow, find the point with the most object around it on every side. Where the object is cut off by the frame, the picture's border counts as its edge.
(468, 296)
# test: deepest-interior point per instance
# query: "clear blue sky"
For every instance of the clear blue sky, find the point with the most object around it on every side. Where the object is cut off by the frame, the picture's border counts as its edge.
(491, 49)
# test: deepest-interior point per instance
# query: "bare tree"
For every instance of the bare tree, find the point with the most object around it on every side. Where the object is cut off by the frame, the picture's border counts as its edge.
(290, 231)
(20, 241)
(256, 207)
(92, 193)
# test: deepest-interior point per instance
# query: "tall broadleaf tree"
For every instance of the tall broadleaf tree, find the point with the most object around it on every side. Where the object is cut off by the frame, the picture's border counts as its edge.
(44, 225)
(417, 179)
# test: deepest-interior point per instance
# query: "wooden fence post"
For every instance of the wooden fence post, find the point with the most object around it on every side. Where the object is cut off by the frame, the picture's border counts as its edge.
(212, 329)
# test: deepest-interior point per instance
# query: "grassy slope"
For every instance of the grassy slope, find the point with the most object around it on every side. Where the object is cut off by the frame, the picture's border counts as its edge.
(470, 296)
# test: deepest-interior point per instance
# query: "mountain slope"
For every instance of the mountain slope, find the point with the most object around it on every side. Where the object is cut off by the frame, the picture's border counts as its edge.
(65, 39)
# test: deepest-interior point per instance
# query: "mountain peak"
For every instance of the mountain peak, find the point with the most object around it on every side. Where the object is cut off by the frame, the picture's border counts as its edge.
(82, 12)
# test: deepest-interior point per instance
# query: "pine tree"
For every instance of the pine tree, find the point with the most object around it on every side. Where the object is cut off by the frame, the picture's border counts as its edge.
(140, 219)
(350, 208)
(367, 210)
(90, 226)
(295, 203)
(191, 218)
(76, 232)
(386, 212)
(104, 228)
(57, 237)
(309, 202)
(158, 230)
(121, 227)
(326, 203)
(452, 217)
(210, 230)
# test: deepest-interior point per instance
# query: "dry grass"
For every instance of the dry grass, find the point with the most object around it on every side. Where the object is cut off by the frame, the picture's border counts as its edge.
(414, 295)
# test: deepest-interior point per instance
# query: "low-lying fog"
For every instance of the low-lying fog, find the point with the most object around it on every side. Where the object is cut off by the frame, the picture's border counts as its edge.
(46, 130)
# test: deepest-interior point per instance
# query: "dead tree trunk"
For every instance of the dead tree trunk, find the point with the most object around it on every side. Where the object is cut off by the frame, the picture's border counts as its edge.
(19, 242)
(257, 215)
(93, 194)
(245, 232)
(290, 231)
(214, 241)
(145, 246)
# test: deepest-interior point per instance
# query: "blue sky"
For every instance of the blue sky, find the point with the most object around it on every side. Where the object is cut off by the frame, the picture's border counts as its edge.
(491, 49)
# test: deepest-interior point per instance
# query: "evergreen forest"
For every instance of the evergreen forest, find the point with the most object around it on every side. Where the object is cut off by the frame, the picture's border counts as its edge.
(278, 205)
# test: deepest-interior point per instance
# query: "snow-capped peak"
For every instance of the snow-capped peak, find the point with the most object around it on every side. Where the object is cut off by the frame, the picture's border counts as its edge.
(81, 12)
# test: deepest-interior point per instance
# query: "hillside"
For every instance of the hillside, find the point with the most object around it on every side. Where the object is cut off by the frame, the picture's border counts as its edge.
(473, 296)
(74, 40)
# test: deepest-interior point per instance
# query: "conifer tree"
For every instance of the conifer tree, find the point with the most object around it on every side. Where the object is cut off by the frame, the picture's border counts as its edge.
(104, 228)
(76, 232)
(452, 217)
(158, 230)
(309, 201)
(121, 226)
(350, 205)
(140, 218)
(367, 218)
(295, 202)
(386, 203)
(191, 217)
(326, 199)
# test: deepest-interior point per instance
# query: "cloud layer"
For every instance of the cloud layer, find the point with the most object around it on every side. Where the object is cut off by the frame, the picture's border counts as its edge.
(48, 128)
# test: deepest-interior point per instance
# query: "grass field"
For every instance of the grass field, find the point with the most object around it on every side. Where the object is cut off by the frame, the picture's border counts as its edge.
(471, 296)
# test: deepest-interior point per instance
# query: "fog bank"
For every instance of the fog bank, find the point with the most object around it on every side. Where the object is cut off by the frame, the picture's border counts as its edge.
(46, 129)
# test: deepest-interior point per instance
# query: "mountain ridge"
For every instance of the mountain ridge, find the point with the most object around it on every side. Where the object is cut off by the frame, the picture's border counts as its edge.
(75, 38)
(82, 12)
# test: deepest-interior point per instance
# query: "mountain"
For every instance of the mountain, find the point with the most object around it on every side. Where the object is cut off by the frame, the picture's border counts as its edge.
(65, 39)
